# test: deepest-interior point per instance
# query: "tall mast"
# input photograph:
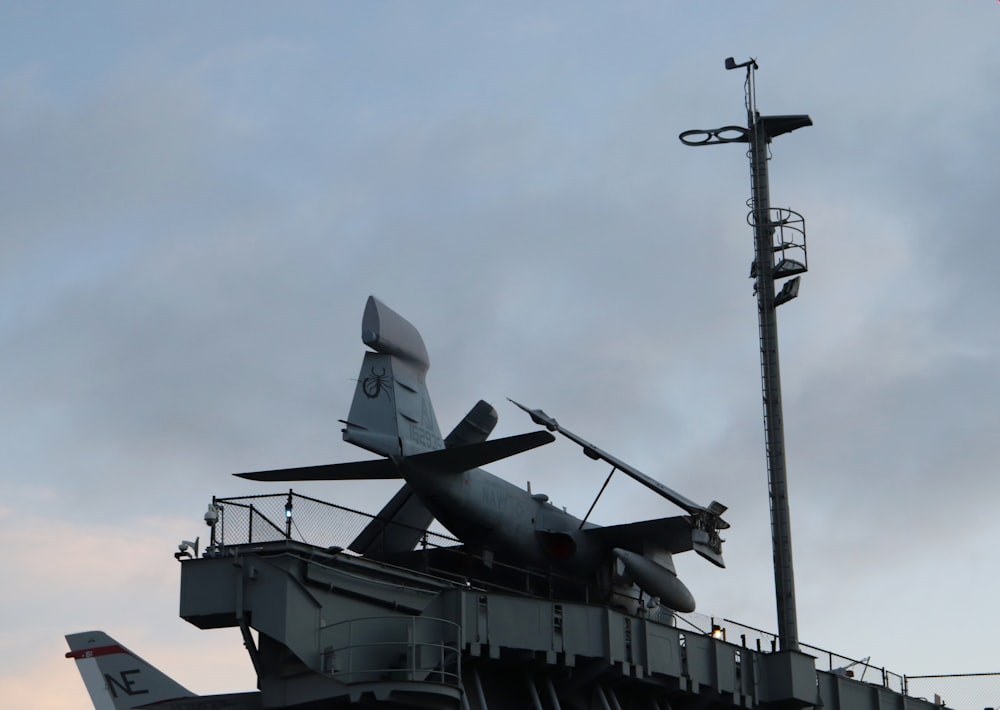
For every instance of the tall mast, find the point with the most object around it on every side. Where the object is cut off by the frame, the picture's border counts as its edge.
(779, 252)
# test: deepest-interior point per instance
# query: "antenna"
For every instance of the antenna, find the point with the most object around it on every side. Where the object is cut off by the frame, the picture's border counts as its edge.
(779, 252)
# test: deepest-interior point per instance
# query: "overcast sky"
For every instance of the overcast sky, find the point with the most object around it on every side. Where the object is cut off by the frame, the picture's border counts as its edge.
(197, 198)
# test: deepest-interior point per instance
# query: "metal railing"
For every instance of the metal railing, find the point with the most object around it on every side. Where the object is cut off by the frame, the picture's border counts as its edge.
(271, 517)
(966, 691)
(256, 519)
(393, 648)
(766, 642)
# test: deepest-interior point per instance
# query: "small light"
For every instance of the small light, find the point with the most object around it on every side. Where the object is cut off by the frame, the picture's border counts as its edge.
(718, 632)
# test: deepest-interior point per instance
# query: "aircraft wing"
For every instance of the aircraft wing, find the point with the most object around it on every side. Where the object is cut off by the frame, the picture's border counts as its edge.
(715, 509)
(705, 521)
(677, 534)
(673, 534)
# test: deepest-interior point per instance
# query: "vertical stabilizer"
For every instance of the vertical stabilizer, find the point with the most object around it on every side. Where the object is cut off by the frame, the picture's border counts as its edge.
(116, 678)
(391, 413)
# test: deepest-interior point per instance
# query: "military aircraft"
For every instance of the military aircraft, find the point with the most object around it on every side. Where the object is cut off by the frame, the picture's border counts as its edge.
(118, 679)
(391, 415)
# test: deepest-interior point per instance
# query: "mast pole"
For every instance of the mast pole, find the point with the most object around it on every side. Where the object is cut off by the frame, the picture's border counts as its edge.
(776, 232)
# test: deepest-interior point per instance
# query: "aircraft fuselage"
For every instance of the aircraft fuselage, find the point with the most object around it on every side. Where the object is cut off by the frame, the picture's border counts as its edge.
(484, 510)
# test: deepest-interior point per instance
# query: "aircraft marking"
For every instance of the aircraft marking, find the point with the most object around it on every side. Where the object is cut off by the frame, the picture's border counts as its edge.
(125, 685)
(501, 501)
(423, 437)
(94, 652)
(376, 383)
(423, 433)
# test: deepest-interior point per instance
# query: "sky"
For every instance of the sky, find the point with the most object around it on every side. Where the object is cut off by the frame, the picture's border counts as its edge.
(197, 198)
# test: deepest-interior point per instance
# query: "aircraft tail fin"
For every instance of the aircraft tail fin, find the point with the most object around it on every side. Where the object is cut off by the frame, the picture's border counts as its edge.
(116, 678)
(391, 413)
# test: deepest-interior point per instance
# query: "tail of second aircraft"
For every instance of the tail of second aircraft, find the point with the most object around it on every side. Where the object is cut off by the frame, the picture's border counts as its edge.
(391, 413)
(115, 677)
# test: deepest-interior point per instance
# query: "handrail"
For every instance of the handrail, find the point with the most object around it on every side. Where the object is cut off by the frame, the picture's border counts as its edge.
(428, 652)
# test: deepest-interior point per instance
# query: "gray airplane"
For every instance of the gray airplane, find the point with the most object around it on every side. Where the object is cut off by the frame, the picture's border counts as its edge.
(391, 415)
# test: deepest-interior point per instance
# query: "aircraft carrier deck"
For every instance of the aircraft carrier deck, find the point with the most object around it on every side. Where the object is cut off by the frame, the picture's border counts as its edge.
(325, 628)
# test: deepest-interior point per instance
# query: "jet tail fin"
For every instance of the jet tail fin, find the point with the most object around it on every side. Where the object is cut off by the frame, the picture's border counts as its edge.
(391, 413)
(116, 678)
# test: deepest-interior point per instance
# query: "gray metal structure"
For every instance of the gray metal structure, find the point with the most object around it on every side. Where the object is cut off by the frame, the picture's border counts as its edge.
(781, 233)
(334, 630)
(326, 629)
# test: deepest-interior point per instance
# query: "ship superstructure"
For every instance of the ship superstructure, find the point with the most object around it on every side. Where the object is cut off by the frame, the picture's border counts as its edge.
(437, 628)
